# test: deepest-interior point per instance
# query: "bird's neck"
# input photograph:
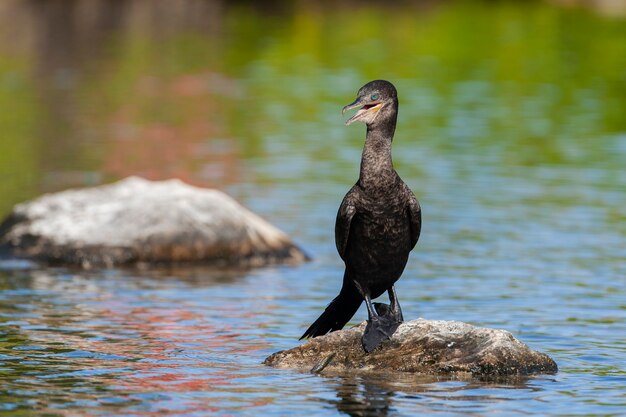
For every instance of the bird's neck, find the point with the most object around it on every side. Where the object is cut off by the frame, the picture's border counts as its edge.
(376, 165)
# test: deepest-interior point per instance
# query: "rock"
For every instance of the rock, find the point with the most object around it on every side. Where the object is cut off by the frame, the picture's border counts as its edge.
(136, 221)
(420, 346)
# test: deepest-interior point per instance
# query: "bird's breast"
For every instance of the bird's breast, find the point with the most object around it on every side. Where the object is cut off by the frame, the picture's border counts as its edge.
(384, 223)
(382, 229)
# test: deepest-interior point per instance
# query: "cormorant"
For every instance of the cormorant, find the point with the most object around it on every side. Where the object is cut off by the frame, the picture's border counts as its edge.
(378, 224)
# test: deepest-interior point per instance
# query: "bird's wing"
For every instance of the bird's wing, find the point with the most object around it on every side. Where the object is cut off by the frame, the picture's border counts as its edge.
(346, 212)
(415, 216)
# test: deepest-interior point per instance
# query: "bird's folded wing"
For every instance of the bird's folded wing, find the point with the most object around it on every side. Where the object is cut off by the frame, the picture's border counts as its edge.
(346, 212)
(415, 217)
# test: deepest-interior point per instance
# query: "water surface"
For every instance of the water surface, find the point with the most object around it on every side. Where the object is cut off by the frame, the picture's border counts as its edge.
(511, 132)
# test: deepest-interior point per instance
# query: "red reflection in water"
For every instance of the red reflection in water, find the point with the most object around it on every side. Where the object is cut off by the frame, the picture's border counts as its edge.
(187, 148)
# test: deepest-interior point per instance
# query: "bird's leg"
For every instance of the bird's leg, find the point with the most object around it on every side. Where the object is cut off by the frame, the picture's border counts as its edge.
(371, 311)
(396, 311)
(378, 328)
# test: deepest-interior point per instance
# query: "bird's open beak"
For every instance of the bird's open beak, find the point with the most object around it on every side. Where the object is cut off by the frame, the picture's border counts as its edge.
(367, 113)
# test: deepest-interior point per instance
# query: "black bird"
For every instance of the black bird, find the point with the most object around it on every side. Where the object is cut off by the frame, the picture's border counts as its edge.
(378, 223)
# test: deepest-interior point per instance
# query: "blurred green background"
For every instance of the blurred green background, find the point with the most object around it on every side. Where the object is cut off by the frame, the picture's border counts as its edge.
(94, 91)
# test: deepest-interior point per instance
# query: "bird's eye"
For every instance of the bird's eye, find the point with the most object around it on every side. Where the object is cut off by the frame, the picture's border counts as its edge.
(374, 97)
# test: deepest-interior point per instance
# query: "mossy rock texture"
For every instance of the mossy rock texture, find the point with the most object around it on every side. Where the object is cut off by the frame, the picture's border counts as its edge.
(433, 347)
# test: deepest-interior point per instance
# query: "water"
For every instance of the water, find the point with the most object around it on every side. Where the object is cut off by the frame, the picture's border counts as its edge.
(511, 133)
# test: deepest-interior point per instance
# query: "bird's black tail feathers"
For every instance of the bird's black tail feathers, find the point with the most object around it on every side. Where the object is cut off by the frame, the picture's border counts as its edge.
(337, 314)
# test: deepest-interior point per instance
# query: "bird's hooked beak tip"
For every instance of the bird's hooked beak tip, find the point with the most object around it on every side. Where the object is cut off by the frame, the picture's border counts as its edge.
(355, 103)
(366, 113)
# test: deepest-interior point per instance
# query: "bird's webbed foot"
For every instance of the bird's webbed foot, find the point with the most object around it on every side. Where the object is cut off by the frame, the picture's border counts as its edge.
(377, 330)
(382, 323)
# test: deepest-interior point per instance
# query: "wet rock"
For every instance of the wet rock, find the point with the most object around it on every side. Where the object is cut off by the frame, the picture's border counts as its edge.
(420, 346)
(136, 221)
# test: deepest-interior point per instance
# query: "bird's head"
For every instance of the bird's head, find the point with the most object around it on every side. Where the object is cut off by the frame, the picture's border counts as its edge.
(378, 101)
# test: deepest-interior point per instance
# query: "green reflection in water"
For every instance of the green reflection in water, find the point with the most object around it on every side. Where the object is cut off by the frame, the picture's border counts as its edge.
(508, 84)
(18, 160)
(517, 81)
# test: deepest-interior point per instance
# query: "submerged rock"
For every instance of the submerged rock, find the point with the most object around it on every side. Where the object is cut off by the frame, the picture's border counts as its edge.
(420, 346)
(136, 221)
